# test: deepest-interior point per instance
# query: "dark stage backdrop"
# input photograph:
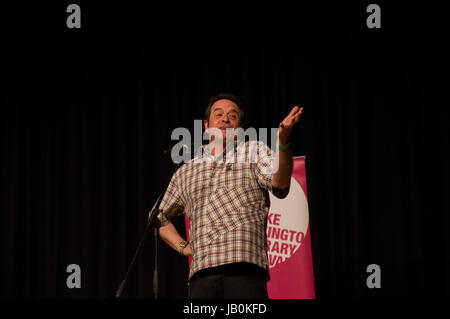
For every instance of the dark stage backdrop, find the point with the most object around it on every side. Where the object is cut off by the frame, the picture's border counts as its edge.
(86, 114)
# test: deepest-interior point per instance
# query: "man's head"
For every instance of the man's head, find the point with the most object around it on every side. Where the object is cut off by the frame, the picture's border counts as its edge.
(224, 111)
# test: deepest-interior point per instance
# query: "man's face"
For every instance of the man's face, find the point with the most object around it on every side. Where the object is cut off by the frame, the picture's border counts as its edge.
(224, 114)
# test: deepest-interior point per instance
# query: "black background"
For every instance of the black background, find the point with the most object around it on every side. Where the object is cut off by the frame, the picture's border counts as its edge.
(87, 113)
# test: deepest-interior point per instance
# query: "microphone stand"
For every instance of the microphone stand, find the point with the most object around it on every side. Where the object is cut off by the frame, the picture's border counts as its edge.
(154, 222)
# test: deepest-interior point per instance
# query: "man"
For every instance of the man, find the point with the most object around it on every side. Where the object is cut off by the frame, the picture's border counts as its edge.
(227, 205)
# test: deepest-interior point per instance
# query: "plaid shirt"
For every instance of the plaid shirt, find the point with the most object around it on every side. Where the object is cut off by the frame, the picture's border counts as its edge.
(227, 205)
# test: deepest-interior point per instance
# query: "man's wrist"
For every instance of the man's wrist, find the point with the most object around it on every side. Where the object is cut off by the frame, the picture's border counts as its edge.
(283, 146)
(182, 246)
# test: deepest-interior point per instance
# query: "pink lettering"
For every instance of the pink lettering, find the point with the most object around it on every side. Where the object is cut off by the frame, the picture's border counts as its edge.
(275, 247)
(284, 249)
(276, 220)
(292, 248)
(299, 237)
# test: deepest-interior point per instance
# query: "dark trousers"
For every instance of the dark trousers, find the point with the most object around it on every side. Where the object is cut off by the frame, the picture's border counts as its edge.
(238, 281)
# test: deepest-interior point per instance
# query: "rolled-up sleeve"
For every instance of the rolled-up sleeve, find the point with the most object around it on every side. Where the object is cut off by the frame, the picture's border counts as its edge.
(263, 166)
(172, 203)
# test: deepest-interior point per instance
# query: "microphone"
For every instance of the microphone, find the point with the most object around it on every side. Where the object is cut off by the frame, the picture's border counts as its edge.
(182, 152)
(185, 147)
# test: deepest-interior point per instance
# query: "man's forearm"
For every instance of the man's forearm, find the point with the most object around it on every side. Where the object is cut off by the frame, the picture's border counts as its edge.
(282, 177)
(170, 236)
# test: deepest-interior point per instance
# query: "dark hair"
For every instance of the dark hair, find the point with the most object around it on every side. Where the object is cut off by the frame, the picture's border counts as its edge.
(225, 96)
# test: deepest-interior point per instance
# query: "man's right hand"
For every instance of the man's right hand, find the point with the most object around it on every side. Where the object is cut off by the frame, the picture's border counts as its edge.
(187, 251)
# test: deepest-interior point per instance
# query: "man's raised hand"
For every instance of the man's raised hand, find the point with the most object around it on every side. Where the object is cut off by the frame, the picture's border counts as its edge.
(286, 126)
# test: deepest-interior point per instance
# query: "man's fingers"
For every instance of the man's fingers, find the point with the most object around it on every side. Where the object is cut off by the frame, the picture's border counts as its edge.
(292, 118)
(298, 111)
(293, 111)
(298, 115)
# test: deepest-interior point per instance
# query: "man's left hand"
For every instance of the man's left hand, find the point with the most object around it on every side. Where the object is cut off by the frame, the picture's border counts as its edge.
(286, 126)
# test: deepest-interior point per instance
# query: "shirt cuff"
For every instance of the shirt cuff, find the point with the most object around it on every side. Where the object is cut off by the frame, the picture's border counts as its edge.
(163, 219)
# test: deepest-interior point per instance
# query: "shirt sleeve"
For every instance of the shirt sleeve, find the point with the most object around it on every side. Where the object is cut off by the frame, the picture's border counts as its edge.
(263, 166)
(172, 203)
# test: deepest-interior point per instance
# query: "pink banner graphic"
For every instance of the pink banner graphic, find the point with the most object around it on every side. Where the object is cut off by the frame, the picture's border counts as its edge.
(289, 241)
